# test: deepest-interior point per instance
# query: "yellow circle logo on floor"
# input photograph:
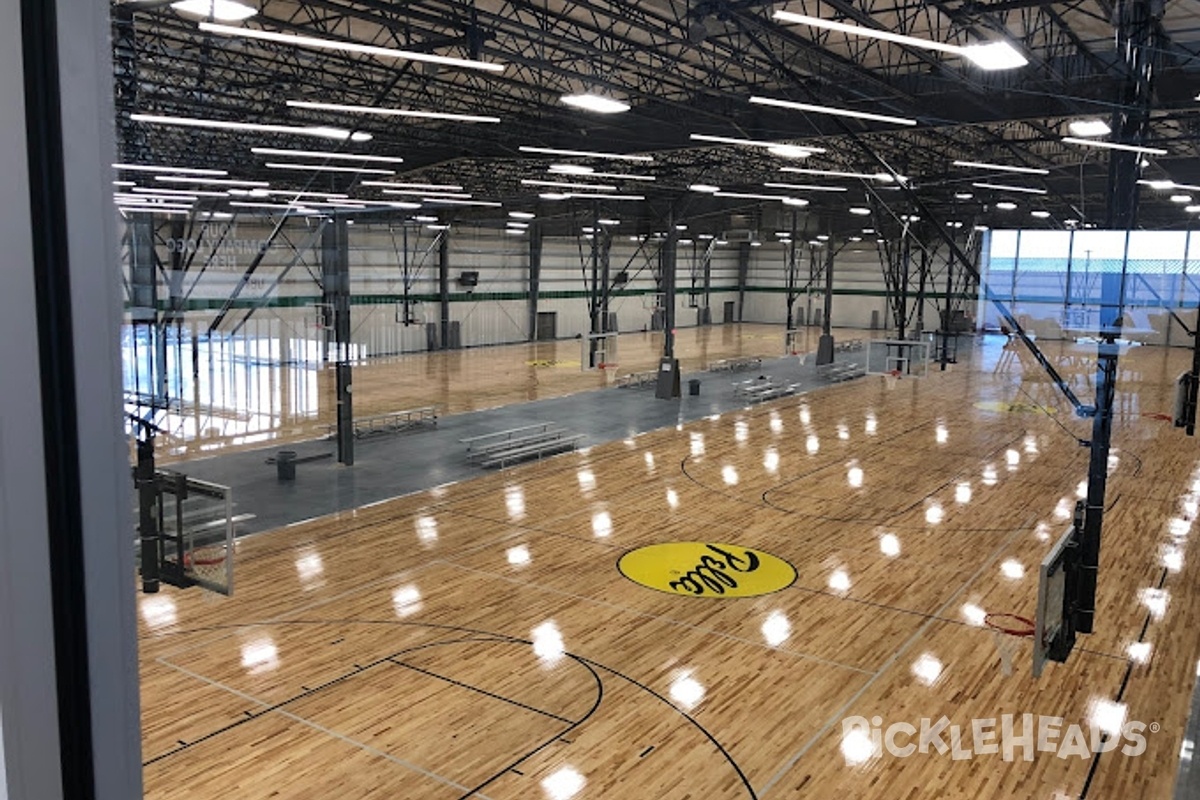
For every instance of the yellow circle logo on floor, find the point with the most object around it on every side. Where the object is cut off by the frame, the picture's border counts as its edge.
(701, 569)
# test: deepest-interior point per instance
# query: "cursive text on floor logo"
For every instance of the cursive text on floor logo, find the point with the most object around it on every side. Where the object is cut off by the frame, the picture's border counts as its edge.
(704, 569)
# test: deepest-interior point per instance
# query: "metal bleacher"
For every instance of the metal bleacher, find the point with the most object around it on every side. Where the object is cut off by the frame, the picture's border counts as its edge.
(520, 444)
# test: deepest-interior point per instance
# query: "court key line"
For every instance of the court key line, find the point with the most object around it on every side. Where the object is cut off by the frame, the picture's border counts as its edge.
(841, 712)
(327, 731)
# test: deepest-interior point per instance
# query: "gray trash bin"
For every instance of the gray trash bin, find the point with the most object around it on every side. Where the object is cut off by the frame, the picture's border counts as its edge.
(285, 465)
(694, 387)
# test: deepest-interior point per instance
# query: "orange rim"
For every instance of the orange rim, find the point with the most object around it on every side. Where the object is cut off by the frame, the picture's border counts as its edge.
(1008, 623)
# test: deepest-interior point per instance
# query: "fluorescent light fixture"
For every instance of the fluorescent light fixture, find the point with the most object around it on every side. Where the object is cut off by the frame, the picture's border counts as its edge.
(1154, 151)
(703, 137)
(789, 151)
(176, 201)
(319, 131)
(1192, 209)
(347, 47)
(797, 202)
(209, 181)
(221, 10)
(551, 151)
(438, 227)
(1006, 206)
(704, 187)
(590, 196)
(985, 55)
(1040, 214)
(429, 187)
(275, 151)
(882, 177)
(514, 224)
(1161, 186)
(600, 187)
(454, 201)
(554, 196)
(963, 195)
(571, 169)
(1089, 127)
(233, 192)
(169, 170)
(390, 112)
(150, 191)
(329, 168)
(123, 184)
(608, 222)
(514, 231)
(622, 176)
(294, 193)
(275, 206)
(836, 112)
(860, 211)
(1181, 198)
(595, 103)
(521, 215)
(805, 187)
(1002, 187)
(1001, 167)
(750, 196)
(427, 193)
(155, 210)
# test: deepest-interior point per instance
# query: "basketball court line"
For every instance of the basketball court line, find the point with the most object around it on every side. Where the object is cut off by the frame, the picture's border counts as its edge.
(484, 692)
(657, 617)
(887, 665)
(328, 732)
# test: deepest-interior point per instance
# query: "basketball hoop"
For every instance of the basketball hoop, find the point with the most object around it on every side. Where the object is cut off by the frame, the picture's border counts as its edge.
(891, 378)
(1006, 629)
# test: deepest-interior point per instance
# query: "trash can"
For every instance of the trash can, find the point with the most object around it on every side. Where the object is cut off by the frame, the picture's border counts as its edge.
(285, 465)
(694, 387)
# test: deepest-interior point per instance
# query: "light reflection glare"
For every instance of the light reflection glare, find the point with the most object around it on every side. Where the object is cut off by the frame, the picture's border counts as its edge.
(587, 480)
(672, 498)
(158, 611)
(1172, 559)
(518, 556)
(989, 475)
(857, 747)
(854, 475)
(687, 691)
(514, 501)
(776, 423)
(1081, 489)
(310, 568)
(1156, 600)
(1031, 445)
(1139, 652)
(563, 784)
(1042, 531)
(962, 493)
(805, 416)
(1012, 569)
(776, 629)
(839, 580)
(602, 524)
(406, 600)
(649, 461)
(1062, 510)
(697, 440)
(843, 432)
(1180, 528)
(729, 475)
(927, 669)
(973, 614)
(889, 544)
(260, 655)
(427, 531)
(548, 642)
(1106, 715)
(872, 424)
(741, 432)
(1012, 458)
(771, 460)
(941, 434)
(934, 514)
(812, 444)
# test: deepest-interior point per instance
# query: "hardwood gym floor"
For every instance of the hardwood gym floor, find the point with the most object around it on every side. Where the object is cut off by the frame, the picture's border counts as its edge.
(478, 640)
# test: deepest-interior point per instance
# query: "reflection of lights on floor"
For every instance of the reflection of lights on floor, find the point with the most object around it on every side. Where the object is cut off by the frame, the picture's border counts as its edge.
(672, 498)
(889, 544)
(974, 614)
(990, 476)
(776, 629)
(941, 435)
(587, 480)
(406, 600)
(741, 432)
(687, 691)
(158, 611)
(514, 501)
(812, 444)
(518, 556)
(1107, 715)
(649, 457)
(934, 514)
(857, 747)
(427, 530)
(927, 669)
(854, 476)
(602, 524)
(962, 493)
(697, 444)
(548, 642)
(1139, 652)
(1012, 569)
(771, 460)
(839, 580)
(563, 784)
(729, 475)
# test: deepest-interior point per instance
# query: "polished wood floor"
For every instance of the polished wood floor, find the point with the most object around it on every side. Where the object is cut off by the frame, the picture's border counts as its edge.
(243, 405)
(478, 640)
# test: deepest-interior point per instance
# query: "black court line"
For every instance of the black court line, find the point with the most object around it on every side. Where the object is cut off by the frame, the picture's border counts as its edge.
(1091, 774)
(485, 692)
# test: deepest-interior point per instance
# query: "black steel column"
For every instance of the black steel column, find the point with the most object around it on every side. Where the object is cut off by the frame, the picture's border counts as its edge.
(444, 286)
(1137, 25)
(706, 313)
(335, 294)
(791, 268)
(825, 343)
(742, 276)
(667, 386)
(535, 276)
(921, 290)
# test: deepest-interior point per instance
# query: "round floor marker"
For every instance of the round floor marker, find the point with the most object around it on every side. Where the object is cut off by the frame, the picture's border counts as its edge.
(704, 569)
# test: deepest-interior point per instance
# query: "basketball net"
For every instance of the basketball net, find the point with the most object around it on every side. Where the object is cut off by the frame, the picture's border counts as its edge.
(891, 378)
(1006, 645)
